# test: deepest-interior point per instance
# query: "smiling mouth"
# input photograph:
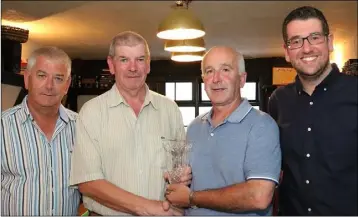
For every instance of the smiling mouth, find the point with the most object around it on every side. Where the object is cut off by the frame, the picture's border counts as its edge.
(309, 59)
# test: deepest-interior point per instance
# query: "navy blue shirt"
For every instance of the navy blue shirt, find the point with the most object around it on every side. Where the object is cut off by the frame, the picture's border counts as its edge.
(318, 137)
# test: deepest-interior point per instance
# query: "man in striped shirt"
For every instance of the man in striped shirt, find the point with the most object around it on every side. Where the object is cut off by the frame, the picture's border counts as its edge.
(37, 138)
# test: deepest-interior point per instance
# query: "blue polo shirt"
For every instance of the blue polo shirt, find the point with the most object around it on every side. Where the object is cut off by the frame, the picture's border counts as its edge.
(245, 146)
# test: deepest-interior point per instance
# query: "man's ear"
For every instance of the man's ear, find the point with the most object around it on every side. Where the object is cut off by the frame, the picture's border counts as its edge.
(68, 83)
(243, 76)
(148, 70)
(330, 42)
(287, 57)
(26, 78)
(110, 65)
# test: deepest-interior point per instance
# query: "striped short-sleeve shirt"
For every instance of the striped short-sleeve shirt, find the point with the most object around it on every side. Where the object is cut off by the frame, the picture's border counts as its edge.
(34, 171)
(114, 144)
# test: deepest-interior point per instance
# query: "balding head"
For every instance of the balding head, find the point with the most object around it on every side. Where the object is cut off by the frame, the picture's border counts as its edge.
(224, 52)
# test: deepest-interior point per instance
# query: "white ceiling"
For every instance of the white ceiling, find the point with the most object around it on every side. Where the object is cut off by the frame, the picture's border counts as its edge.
(84, 28)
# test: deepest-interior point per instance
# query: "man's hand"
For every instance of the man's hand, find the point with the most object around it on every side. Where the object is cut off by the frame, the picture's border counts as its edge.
(178, 195)
(184, 179)
(160, 208)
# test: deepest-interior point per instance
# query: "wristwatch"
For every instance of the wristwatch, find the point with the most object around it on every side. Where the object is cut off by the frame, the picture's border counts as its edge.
(191, 197)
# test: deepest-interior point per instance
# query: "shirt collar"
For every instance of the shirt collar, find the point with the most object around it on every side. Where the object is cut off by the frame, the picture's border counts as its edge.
(64, 115)
(327, 81)
(237, 115)
(115, 98)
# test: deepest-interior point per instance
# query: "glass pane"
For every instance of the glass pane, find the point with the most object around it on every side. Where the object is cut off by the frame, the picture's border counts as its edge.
(184, 91)
(169, 90)
(256, 107)
(188, 114)
(204, 109)
(249, 91)
(204, 96)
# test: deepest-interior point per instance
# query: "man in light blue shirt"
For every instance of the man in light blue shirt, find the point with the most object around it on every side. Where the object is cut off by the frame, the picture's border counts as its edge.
(236, 156)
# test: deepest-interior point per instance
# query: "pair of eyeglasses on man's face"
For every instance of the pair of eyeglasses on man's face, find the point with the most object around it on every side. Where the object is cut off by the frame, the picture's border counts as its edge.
(313, 39)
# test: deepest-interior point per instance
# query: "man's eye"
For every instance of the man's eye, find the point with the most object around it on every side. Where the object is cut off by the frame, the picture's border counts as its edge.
(208, 71)
(315, 37)
(60, 79)
(295, 41)
(123, 60)
(41, 75)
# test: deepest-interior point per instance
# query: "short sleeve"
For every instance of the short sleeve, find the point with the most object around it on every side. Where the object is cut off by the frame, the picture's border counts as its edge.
(263, 153)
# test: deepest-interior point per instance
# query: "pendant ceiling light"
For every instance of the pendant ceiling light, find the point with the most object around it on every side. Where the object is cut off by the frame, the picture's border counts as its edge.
(181, 24)
(189, 45)
(187, 56)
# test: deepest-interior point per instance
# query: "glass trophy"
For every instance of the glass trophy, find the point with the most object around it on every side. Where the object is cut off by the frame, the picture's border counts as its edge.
(177, 157)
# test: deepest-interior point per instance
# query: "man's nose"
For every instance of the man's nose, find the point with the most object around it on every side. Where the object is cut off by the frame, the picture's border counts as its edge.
(133, 66)
(216, 76)
(49, 83)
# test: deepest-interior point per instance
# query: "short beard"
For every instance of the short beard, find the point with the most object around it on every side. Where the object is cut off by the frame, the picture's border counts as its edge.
(314, 76)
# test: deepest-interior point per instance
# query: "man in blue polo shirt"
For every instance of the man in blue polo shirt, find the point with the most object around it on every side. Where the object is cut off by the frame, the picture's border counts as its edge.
(236, 156)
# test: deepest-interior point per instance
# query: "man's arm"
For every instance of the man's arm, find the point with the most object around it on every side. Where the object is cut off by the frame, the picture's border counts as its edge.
(118, 199)
(247, 196)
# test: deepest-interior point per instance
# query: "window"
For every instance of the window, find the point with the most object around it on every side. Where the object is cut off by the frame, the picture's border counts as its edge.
(204, 96)
(204, 109)
(179, 91)
(188, 114)
(248, 91)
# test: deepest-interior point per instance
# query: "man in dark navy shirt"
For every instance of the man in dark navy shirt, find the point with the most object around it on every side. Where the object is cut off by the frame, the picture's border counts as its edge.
(317, 117)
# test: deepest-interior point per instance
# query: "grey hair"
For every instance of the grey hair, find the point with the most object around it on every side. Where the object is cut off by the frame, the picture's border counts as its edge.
(128, 38)
(51, 53)
(239, 59)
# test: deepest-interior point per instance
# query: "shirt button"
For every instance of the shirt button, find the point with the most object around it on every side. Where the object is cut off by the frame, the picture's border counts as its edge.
(307, 181)
(325, 89)
(308, 155)
(211, 134)
(311, 103)
(309, 129)
(309, 209)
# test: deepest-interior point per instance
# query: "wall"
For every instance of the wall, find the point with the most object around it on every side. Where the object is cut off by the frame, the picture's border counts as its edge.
(27, 48)
(9, 95)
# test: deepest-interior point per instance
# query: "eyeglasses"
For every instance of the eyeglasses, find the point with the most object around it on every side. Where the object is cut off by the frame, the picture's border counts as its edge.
(313, 39)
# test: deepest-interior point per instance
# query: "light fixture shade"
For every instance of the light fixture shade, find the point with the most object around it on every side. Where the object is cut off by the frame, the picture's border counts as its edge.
(14, 33)
(180, 24)
(187, 56)
(189, 45)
